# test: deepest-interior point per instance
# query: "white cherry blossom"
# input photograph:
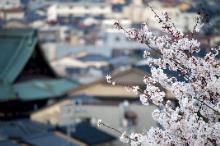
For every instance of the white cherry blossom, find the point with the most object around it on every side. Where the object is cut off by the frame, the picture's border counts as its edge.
(195, 121)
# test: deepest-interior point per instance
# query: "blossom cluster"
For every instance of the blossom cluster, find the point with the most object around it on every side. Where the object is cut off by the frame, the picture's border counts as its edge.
(196, 118)
(109, 79)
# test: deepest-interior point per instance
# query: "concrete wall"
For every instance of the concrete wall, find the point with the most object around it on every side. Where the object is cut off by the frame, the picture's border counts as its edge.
(111, 115)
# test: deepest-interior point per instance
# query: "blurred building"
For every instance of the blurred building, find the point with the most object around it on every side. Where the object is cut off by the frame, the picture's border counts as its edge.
(15, 23)
(26, 79)
(53, 33)
(100, 90)
(62, 65)
(139, 13)
(11, 9)
(93, 136)
(122, 78)
(12, 13)
(10, 4)
(77, 9)
(67, 113)
(24, 132)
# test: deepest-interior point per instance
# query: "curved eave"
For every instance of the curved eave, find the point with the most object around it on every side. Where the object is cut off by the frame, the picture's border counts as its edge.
(42, 89)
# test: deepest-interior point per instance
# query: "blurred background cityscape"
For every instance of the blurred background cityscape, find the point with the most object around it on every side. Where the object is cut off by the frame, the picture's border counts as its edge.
(55, 55)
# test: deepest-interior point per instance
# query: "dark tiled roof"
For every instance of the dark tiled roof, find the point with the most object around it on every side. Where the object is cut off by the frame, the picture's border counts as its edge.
(47, 139)
(89, 134)
(30, 132)
(22, 128)
(7, 143)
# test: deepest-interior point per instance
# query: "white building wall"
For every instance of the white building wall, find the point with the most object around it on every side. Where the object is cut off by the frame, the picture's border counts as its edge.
(111, 115)
(8, 4)
(52, 13)
(186, 21)
(138, 2)
(49, 51)
(74, 9)
(14, 15)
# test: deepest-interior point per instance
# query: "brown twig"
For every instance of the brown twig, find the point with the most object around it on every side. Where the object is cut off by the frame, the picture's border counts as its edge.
(119, 132)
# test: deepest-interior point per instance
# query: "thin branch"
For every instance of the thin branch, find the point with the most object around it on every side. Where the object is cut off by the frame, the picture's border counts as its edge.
(217, 112)
(194, 28)
(109, 127)
(118, 131)
(117, 24)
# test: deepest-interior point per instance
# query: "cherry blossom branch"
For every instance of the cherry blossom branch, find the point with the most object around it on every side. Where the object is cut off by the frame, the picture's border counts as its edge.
(217, 112)
(150, 101)
(174, 60)
(100, 123)
(166, 26)
(117, 24)
(195, 26)
(139, 92)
